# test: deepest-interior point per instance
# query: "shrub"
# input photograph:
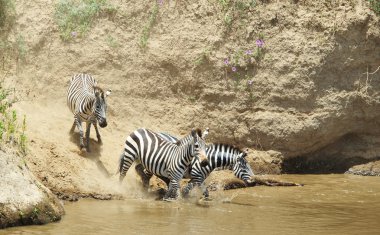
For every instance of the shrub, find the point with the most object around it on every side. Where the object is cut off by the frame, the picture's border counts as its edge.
(10, 131)
(148, 27)
(74, 17)
(375, 6)
(7, 14)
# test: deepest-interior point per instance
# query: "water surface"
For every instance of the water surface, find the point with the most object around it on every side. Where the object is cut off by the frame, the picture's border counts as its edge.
(327, 204)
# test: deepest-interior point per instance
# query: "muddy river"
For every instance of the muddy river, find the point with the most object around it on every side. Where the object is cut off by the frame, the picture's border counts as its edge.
(327, 204)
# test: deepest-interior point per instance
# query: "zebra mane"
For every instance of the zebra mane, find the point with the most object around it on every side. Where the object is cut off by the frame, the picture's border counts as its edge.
(199, 132)
(97, 88)
(227, 145)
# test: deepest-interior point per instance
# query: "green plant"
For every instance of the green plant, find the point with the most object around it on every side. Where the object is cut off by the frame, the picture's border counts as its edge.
(36, 211)
(74, 17)
(203, 57)
(148, 27)
(228, 20)
(375, 6)
(7, 14)
(21, 48)
(112, 42)
(23, 139)
(233, 10)
(9, 129)
(21, 214)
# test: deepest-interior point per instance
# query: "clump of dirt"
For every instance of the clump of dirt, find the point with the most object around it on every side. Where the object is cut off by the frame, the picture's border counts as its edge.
(369, 169)
(314, 83)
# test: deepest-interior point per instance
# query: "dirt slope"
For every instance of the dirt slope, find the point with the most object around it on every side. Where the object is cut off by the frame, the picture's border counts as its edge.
(309, 93)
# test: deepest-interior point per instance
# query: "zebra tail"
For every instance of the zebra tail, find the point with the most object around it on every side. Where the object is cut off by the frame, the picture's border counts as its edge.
(121, 162)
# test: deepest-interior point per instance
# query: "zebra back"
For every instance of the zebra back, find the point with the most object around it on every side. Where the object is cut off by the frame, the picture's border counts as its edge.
(157, 155)
(220, 156)
(81, 94)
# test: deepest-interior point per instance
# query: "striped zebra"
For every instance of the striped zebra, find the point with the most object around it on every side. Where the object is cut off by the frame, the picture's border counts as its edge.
(220, 156)
(88, 104)
(162, 158)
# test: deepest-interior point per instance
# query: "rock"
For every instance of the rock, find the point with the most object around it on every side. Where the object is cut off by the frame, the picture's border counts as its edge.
(24, 200)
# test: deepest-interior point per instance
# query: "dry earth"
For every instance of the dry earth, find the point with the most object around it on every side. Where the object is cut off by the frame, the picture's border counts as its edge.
(311, 99)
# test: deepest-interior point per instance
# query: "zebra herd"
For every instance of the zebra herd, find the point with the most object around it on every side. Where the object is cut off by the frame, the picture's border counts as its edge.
(160, 154)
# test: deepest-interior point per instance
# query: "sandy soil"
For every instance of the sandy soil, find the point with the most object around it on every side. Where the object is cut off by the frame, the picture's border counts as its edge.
(309, 97)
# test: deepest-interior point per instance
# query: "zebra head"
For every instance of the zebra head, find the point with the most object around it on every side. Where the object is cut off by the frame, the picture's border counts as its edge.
(241, 168)
(101, 106)
(199, 147)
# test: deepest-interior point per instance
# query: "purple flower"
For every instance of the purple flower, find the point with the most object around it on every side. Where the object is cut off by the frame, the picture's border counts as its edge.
(233, 69)
(259, 43)
(160, 2)
(250, 82)
(226, 61)
(73, 34)
(248, 52)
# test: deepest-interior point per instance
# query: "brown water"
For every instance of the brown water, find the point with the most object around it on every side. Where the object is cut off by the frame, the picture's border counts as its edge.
(328, 204)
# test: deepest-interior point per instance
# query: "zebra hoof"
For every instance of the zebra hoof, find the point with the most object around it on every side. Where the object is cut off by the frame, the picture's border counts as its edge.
(185, 194)
(168, 199)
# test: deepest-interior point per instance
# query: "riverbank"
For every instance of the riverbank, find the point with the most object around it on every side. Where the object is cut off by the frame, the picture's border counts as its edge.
(23, 199)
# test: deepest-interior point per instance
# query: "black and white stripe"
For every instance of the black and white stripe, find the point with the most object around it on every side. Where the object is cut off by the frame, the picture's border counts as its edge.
(161, 157)
(220, 156)
(87, 102)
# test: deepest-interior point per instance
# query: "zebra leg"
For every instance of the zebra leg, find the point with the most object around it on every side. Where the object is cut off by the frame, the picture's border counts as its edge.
(79, 125)
(204, 190)
(186, 190)
(97, 132)
(144, 175)
(88, 127)
(73, 126)
(172, 191)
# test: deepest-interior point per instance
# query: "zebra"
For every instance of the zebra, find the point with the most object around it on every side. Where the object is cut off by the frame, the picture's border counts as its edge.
(220, 156)
(88, 104)
(161, 157)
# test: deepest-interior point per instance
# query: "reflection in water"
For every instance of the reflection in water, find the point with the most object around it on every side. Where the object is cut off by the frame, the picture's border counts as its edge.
(328, 204)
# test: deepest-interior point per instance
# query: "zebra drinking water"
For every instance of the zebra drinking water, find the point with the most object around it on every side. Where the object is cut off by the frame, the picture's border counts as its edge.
(88, 104)
(220, 156)
(161, 157)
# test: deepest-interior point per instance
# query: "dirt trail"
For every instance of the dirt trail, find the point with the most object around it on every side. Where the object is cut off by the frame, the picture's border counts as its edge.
(54, 153)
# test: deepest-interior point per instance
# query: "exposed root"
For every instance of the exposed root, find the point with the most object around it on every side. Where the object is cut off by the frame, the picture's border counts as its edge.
(237, 183)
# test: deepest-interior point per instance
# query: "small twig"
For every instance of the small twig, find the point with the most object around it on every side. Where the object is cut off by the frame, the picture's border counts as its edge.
(367, 78)
(372, 72)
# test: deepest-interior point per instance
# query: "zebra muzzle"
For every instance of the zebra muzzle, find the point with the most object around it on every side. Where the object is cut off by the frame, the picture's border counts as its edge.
(204, 161)
(103, 124)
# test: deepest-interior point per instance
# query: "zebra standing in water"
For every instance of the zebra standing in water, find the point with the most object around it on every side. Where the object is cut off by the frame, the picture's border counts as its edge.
(88, 104)
(161, 157)
(220, 156)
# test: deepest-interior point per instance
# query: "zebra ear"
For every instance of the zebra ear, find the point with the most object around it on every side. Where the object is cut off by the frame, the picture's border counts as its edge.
(205, 133)
(245, 152)
(242, 155)
(194, 133)
(108, 93)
